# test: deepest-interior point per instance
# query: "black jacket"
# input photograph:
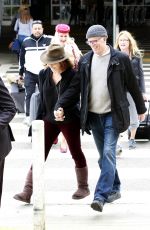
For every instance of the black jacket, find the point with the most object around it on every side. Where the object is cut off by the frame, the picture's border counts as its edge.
(120, 79)
(7, 112)
(50, 92)
(30, 53)
(138, 71)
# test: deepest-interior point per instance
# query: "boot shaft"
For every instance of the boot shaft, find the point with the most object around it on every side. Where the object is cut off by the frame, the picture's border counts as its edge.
(82, 180)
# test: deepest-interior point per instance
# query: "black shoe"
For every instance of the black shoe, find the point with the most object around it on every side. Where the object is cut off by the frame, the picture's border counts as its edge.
(129, 134)
(113, 196)
(97, 205)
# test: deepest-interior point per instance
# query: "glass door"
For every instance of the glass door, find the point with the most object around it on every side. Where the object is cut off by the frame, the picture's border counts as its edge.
(10, 8)
(60, 11)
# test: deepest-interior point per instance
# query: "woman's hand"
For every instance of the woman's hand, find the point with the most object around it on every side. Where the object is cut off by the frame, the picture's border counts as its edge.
(145, 97)
(59, 114)
(141, 117)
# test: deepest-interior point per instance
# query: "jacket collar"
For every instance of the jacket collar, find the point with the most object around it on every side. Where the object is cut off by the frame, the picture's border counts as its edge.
(113, 57)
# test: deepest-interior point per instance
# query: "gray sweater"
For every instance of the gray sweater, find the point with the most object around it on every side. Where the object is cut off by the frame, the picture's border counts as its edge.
(99, 99)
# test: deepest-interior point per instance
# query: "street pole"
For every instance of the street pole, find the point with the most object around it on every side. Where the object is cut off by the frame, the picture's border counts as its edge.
(38, 174)
(1, 17)
(114, 21)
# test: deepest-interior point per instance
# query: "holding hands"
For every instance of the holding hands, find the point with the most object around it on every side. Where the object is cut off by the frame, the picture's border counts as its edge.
(59, 114)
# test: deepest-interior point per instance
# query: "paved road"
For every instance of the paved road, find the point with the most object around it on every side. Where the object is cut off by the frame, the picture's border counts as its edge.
(61, 212)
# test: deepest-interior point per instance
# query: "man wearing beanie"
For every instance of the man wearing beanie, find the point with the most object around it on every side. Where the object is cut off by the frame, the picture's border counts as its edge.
(103, 78)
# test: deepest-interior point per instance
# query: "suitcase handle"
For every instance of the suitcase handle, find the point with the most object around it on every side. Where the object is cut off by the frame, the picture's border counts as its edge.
(147, 119)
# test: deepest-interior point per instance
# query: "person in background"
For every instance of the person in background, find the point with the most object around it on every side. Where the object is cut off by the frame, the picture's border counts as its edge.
(75, 12)
(7, 112)
(104, 74)
(30, 63)
(63, 38)
(23, 24)
(127, 44)
(53, 82)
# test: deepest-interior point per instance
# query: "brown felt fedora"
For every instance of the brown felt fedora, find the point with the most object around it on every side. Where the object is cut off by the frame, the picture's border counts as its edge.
(54, 54)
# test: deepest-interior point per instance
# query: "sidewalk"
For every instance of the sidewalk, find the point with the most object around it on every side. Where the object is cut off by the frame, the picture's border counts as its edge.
(8, 58)
(131, 212)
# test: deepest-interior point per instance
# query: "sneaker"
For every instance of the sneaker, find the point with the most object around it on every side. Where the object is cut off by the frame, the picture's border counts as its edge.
(132, 144)
(113, 196)
(97, 205)
(118, 150)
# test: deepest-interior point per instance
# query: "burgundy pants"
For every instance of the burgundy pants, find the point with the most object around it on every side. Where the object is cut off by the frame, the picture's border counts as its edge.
(1, 177)
(71, 132)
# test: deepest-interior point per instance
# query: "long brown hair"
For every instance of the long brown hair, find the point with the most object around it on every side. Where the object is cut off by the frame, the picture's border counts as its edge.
(66, 64)
(24, 15)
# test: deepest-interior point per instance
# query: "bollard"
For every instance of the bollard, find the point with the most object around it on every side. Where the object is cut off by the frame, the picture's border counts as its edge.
(38, 174)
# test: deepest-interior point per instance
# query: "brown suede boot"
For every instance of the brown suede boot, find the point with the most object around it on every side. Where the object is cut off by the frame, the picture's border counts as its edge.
(82, 178)
(25, 196)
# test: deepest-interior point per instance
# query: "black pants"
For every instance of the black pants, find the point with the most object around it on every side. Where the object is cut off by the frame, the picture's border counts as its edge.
(2, 162)
(30, 82)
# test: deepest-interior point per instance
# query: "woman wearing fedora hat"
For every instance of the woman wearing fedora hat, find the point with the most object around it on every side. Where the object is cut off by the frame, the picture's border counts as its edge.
(53, 82)
(63, 38)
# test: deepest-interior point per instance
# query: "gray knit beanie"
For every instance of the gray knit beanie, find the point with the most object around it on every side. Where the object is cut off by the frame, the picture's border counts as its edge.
(96, 31)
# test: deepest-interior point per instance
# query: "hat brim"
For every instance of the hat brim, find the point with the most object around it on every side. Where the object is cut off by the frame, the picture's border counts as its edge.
(47, 60)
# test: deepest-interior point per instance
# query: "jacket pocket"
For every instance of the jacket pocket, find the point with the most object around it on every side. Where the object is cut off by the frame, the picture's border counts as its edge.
(121, 118)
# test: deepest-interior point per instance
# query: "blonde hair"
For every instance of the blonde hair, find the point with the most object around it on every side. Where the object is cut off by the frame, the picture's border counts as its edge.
(56, 38)
(133, 47)
(71, 48)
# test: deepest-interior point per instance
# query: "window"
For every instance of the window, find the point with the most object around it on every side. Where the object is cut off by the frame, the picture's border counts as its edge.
(10, 9)
(60, 11)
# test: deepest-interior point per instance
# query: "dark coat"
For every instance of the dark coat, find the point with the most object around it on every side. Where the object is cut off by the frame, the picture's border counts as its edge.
(50, 92)
(138, 71)
(32, 45)
(7, 112)
(120, 79)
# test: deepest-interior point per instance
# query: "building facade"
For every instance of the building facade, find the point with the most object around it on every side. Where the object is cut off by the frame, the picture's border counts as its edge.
(129, 12)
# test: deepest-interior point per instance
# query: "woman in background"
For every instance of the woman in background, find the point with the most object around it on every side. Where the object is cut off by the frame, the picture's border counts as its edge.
(23, 25)
(127, 44)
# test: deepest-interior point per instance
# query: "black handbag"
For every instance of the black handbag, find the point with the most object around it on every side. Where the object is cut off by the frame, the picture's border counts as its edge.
(143, 131)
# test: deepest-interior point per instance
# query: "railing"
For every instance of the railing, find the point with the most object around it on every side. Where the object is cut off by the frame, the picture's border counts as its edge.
(38, 174)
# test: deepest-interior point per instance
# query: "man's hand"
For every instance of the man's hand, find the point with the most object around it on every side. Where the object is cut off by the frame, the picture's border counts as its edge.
(20, 80)
(59, 114)
(141, 117)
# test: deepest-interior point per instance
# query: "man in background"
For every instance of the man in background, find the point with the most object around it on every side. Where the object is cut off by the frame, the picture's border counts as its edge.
(30, 64)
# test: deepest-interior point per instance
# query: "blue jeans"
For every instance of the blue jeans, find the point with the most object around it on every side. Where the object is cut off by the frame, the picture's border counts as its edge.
(21, 38)
(105, 137)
